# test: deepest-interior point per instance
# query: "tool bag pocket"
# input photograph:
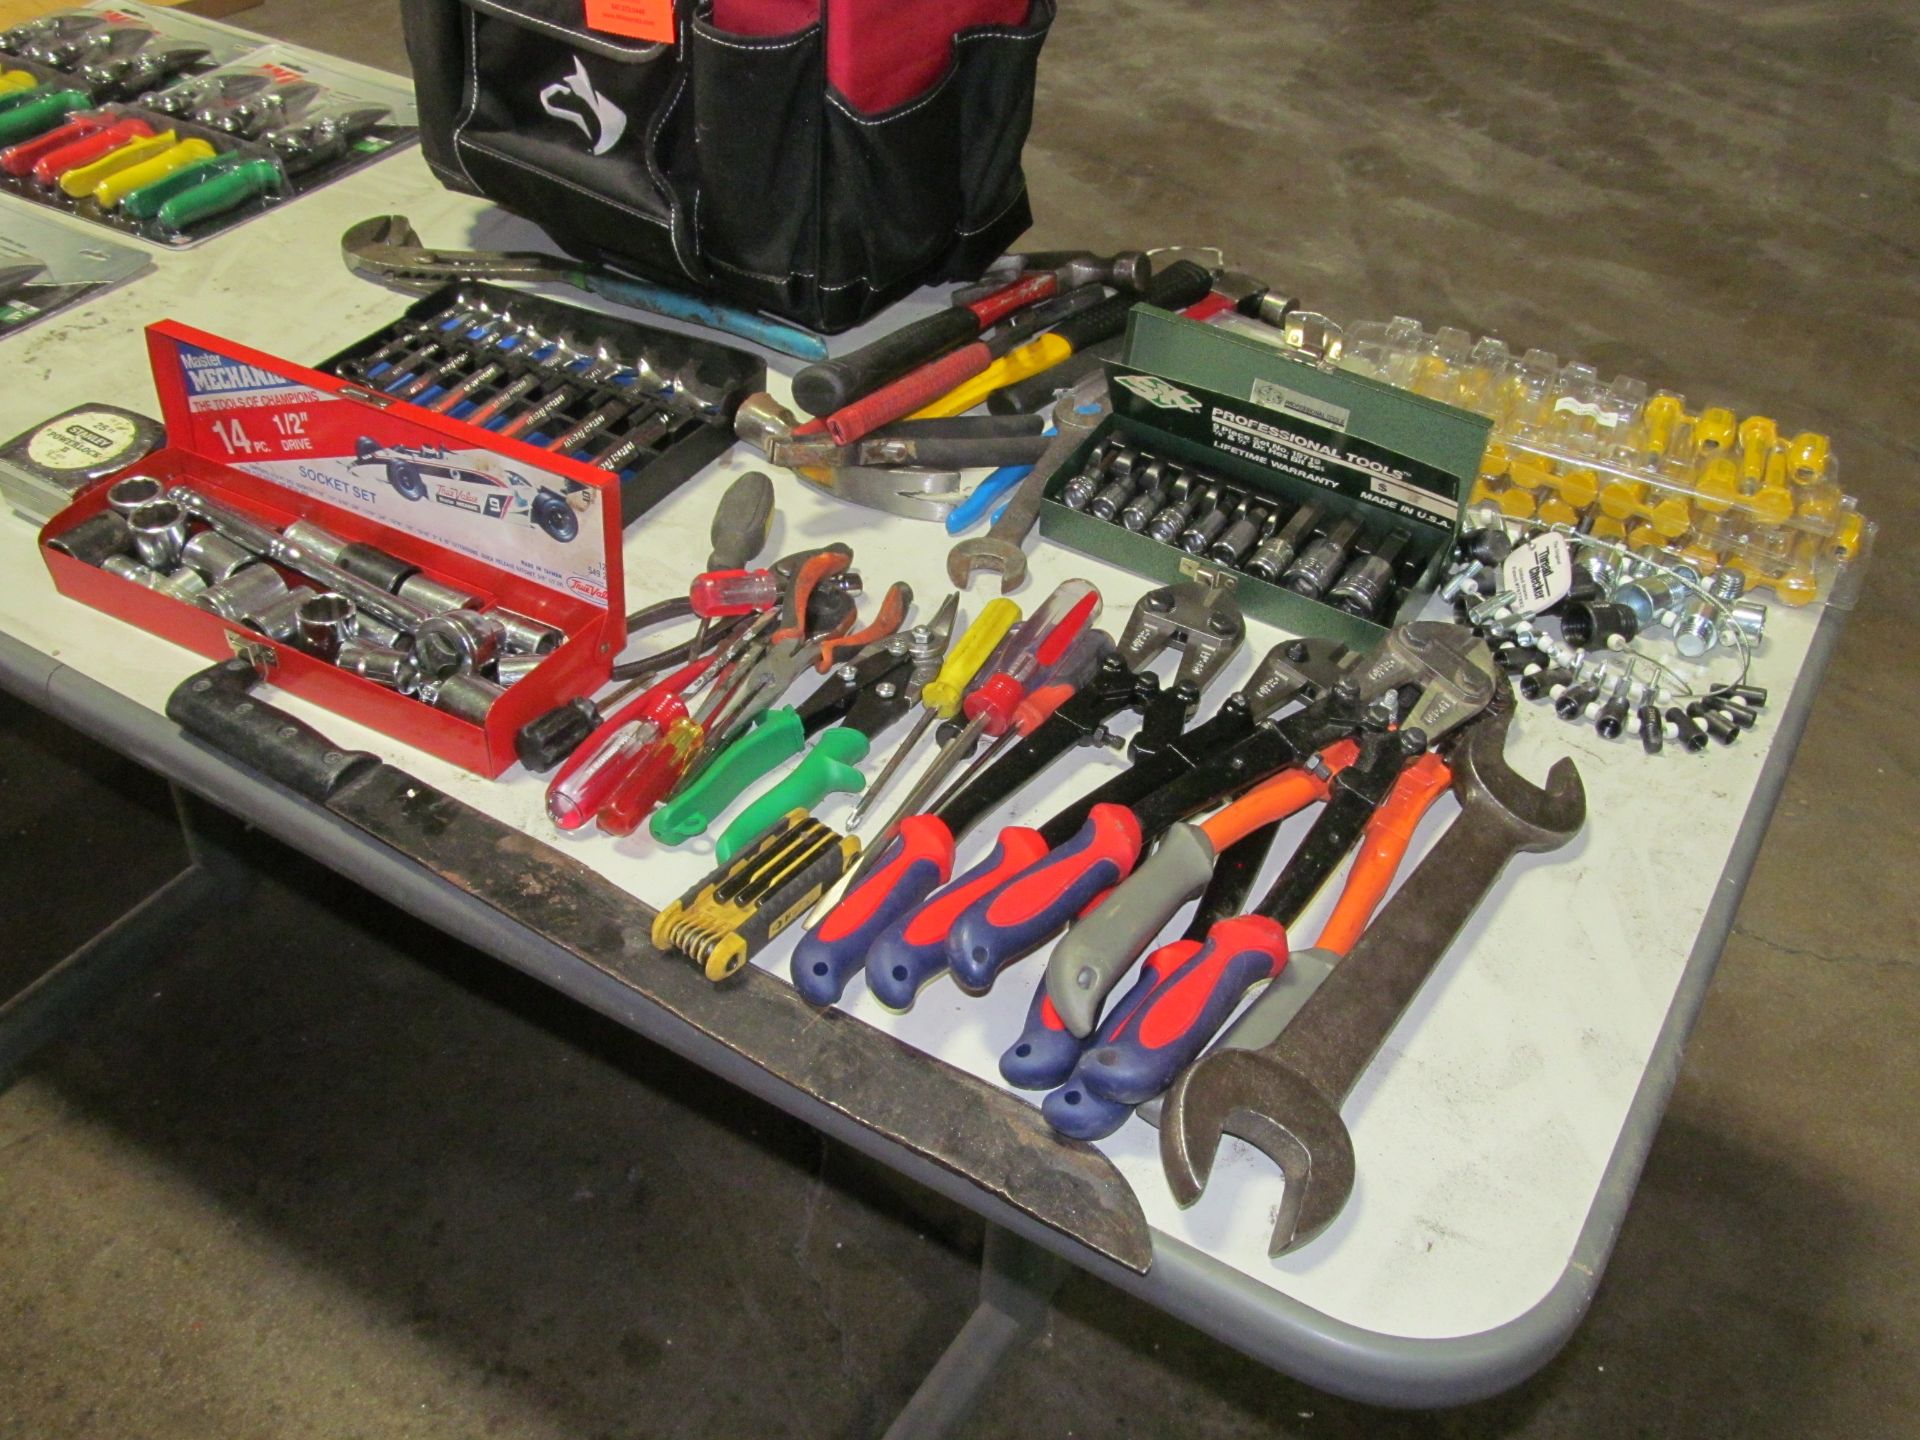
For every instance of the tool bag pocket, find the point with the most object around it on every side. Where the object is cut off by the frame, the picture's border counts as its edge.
(726, 162)
(522, 103)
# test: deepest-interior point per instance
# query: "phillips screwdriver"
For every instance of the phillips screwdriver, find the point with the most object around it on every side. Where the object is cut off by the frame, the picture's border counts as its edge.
(588, 778)
(1028, 657)
(943, 694)
(899, 876)
(1090, 649)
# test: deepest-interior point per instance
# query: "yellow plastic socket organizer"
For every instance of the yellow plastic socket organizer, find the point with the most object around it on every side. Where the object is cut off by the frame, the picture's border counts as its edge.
(1711, 488)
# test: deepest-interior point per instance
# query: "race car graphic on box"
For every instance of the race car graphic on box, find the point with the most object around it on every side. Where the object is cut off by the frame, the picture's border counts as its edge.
(349, 450)
(421, 472)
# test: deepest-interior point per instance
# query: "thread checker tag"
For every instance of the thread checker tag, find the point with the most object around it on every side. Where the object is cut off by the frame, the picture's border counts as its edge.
(1538, 573)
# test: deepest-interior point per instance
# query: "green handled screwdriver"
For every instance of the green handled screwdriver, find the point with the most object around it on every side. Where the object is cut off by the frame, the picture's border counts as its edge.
(221, 193)
(145, 202)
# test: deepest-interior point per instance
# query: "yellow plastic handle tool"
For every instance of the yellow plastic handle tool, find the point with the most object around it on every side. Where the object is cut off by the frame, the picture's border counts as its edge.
(1029, 359)
(945, 691)
(122, 183)
(85, 179)
(12, 80)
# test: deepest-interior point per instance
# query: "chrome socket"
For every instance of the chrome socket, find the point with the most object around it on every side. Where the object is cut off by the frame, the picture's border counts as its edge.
(524, 635)
(311, 537)
(215, 556)
(244, 593)
(375, 631)
(381, 664)
(467, 696)
(159, 533)
(281, 619)
(512, 669)
(324, 623)
(95, 540)
(128, 495)
(433, 597)
(181, 584)
(375, 566)
(456, 643)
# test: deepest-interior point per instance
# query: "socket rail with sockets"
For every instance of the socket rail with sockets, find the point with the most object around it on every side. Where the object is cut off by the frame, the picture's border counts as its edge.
(1355, 566)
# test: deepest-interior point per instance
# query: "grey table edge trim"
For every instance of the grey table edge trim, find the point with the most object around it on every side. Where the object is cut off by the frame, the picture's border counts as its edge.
(1235, 1309)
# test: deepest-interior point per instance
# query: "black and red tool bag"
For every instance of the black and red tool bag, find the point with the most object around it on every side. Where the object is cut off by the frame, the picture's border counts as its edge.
(817, 159)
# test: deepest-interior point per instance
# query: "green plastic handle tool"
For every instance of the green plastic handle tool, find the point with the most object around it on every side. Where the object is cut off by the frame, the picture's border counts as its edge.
(39, 112)
(12, 97)
(776, 739)
(145, 203)
(831, 767)
(222, 193)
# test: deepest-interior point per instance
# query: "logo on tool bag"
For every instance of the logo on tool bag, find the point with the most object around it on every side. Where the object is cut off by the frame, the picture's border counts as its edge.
(1156, 391)
(575, 101)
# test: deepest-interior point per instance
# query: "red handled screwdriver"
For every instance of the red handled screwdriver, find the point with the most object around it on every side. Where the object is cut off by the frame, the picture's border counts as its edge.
(1032, 653)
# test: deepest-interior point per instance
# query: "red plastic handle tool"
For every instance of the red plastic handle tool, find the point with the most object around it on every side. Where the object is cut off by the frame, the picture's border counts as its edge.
(88, 148)
(1037, 904)
(913, 950)
(920, 858)
(651, 778)
(1148, 1042)
(588, 777)
(19, 160)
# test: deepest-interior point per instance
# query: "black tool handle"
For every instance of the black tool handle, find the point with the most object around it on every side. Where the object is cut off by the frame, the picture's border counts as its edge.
(962, 427)
(216, 705)
(1178, 286)
(1230, 724)
(825, 386)
(741, 521)
(993, 451)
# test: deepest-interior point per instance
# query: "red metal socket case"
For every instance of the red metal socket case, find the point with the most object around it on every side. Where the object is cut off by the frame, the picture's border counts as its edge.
(271, 438)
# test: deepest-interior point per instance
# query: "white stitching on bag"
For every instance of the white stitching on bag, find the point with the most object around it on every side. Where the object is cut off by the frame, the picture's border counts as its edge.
(997, 216)
(473, 89)
(506, 159)
(713, 37)
(659, 179)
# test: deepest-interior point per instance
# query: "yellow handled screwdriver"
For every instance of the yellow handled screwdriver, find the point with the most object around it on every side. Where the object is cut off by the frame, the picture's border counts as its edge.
(114, 188)
(942, 695)
(86, 179)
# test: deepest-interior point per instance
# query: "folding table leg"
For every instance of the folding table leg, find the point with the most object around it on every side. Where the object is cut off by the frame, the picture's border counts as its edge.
(1017, 1283)
(126, 949)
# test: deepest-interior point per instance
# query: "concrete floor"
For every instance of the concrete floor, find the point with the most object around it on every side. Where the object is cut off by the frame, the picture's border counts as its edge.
(328, 1175)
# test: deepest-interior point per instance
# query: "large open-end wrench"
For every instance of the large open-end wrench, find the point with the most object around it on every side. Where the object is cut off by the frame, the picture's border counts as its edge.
(1285, 1099)
(1074, 416)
